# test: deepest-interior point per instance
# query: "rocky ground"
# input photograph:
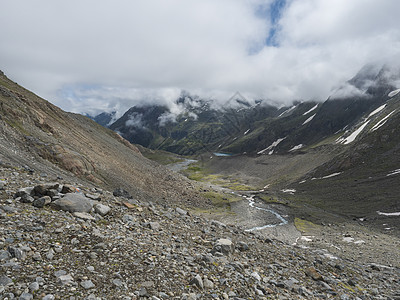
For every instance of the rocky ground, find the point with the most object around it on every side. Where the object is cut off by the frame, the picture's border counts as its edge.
(62, 240)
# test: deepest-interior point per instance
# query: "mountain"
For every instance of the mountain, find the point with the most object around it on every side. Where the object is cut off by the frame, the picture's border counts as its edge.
(198, 128)
(104, 119)
(64, 235)
(352, 135)
(239, 126)
(39, 136)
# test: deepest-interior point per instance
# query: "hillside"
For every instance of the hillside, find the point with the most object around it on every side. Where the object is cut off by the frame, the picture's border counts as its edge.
(39, 136)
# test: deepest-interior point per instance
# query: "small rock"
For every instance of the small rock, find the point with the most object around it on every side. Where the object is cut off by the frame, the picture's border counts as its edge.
(4, 280)
(34, 286)
(181, 211)
(84, 216)
(102, 209)
(73, 203)
(67, 188)
(313, 273)
(208, 284)
(197, 281)
(256, 276)
(143, 292)
(25, 296)
(154, 225)
(16, 252)
(242, 246)
(117, 282)
(41, 202)
(26, 199)
(224, 246)
(87, 284)
(65, 279)
(93, 196)
(122, 193)
(48, 297)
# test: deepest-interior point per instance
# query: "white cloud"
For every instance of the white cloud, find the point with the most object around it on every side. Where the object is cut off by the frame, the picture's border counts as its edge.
(108, 55)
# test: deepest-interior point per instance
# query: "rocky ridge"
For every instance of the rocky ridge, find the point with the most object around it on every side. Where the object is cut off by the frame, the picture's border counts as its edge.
(63, 240)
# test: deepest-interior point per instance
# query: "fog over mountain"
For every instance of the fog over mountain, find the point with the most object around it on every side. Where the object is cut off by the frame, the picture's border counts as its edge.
(90, 56)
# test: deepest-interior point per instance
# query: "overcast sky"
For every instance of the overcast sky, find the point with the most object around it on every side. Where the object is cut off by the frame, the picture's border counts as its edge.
(92, 56)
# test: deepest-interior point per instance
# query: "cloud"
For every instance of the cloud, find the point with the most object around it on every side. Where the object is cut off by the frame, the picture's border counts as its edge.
(92, 56)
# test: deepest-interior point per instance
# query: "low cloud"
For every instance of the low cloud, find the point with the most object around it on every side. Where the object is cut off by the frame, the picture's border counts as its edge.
(91, 56)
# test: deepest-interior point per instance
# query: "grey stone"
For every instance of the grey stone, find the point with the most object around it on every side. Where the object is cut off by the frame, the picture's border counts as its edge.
(154, 225)
(73, 203)
(218, 223)
(34, 286)
(83, 216)
(242, 246)
(181, 211)
(122, 193)
(9, 209)
(102, 209)
(224, 246)
(4, 280)
(87, 284)
(41, 202)
(256, 276)
(65, 279)
(93, 196)
(43, 189)
(4, 255)
(22, 192)
(143, 292)
(25, 296)
(197, 281)
(16, 252)
(48, 297)
(26, 199)
(117, 282)
(208, 284)
(128, 219)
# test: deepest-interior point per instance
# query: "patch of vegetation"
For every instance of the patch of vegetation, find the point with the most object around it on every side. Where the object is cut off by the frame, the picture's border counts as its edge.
(305, 226)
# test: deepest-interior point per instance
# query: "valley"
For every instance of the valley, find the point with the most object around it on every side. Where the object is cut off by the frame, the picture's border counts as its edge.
(262, 208)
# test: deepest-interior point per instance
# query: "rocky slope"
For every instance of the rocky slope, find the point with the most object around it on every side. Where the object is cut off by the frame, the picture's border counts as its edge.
(67, 241)
(40, 136)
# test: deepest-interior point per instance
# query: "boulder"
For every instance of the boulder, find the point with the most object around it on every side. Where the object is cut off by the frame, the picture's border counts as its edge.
(122, 193)
(102, 209)
(224, 246)
(73, 203)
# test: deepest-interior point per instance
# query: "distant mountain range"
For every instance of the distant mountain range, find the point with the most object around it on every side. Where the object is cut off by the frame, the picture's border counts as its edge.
(255, 128)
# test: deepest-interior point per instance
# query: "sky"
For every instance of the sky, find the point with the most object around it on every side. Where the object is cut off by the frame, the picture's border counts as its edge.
(92, 56)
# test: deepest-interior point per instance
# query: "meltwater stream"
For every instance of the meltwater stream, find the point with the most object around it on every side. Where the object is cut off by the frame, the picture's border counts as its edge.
(278, 216)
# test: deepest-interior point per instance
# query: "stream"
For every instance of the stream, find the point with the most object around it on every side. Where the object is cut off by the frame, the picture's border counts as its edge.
(252, 204)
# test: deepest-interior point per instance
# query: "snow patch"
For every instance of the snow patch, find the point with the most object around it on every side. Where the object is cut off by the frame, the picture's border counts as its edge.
(331, 175)
(394, 172)
(393, 93)
(246, 132)
(394, 214)
(296, 147)
(309, 119)
(354, 135)
(330, 256)
(290, 191)
(307, 112)
(306, 238)
(376, 111)
(286, 111)
(324, 177)
(270, 147)
(381, 122)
